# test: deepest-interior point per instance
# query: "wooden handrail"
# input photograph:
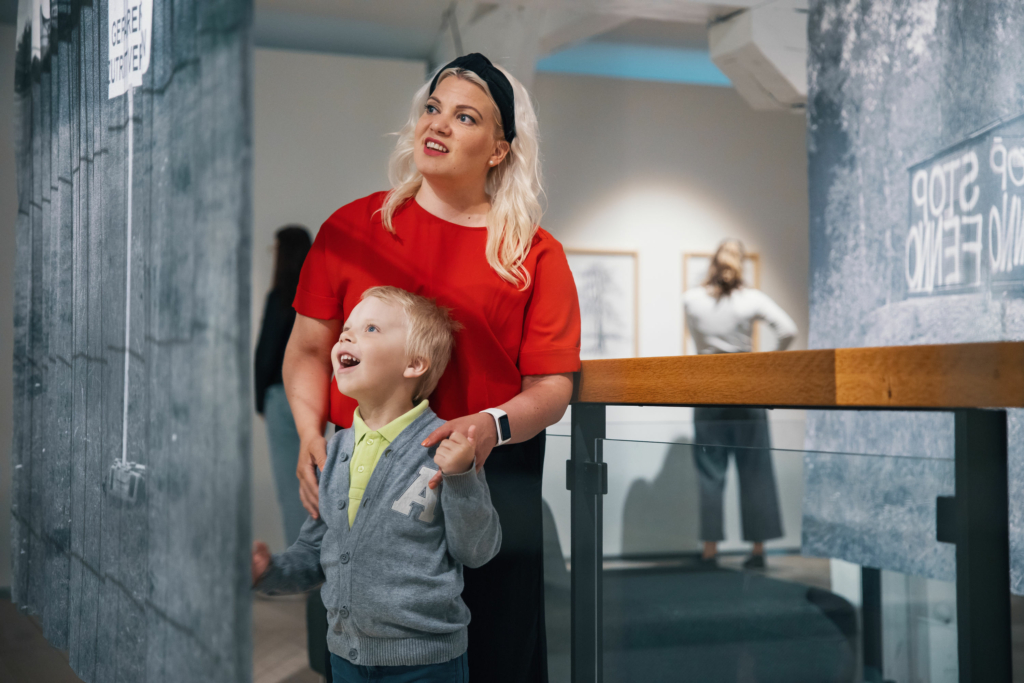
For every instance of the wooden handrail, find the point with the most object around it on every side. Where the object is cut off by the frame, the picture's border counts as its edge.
(984, 375)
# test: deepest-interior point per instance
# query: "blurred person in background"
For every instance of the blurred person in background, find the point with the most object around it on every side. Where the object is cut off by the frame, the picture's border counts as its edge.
(721, 314)
(292, 243)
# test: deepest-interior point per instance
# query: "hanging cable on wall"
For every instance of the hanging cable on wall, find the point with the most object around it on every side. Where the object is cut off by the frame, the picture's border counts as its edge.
(125, 479)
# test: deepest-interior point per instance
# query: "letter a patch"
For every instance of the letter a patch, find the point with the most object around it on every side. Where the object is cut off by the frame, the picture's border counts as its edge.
(419, 494)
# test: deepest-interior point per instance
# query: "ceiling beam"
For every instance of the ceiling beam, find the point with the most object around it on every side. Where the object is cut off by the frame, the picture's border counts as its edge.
(509, 35)
(516, 33)
(687, 11)
(567, 26)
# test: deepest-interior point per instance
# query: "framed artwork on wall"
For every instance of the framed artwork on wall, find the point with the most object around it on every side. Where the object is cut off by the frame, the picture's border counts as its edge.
(695, 270)
(606, 282)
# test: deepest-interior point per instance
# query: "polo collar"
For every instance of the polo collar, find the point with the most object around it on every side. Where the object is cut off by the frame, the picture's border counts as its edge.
(391, 430)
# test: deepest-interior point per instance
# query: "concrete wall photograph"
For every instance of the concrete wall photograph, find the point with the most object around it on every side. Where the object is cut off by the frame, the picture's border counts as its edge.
(130, 458)
(915, 170)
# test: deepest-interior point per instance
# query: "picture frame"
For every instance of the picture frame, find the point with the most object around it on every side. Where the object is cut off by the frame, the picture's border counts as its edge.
(607, 283)
(695, 270)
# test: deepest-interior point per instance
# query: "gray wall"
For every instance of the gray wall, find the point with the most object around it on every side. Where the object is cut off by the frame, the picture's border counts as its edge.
(894, 89)
(663, 169)
(156, 588)
(8, 215)
(320, 141)
(667, 168)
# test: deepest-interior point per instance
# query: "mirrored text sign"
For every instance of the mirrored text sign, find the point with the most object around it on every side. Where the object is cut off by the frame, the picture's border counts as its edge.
(966, 225)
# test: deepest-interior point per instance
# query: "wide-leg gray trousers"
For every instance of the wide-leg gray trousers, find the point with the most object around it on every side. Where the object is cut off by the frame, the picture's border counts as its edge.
(744, 432)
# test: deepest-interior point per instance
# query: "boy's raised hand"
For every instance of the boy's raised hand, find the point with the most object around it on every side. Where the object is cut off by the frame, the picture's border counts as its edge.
(455, 454)
(260, 560)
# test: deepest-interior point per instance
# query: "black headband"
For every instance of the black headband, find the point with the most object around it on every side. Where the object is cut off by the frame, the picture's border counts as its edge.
(501, 89)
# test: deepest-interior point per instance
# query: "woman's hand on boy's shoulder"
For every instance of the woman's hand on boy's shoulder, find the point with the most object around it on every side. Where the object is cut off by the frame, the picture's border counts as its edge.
(485, 436)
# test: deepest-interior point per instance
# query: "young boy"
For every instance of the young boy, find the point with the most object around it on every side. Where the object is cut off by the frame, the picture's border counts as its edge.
(388, 549)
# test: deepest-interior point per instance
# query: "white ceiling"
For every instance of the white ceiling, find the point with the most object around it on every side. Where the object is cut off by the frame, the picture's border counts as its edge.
(678, 34)
(420, 14)
(410, 28)
(429, 12)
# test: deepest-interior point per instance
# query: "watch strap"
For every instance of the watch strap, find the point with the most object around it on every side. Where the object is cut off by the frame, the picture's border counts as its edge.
(501, 425)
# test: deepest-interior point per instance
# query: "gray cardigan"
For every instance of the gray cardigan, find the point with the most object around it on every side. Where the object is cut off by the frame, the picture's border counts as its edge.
(392, 583)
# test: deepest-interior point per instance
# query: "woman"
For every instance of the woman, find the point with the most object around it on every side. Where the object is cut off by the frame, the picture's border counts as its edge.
(291, 246)
(721, 316)
(460, 224)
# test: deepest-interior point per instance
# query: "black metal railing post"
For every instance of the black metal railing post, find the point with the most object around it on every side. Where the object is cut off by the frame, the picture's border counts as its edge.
(871, 623)
(982, 547)
(586, 479)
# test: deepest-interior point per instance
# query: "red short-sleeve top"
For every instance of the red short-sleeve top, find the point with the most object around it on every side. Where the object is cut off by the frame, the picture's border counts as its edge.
(507, 332)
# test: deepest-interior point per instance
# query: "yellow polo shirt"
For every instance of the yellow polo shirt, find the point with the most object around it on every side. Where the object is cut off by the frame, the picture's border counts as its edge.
(368, 449)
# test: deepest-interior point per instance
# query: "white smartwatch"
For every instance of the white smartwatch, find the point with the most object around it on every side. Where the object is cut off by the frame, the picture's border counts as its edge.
(501, 423)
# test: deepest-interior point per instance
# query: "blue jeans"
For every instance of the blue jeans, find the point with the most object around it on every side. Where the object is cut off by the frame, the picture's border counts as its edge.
(283, 440)
(453, 671)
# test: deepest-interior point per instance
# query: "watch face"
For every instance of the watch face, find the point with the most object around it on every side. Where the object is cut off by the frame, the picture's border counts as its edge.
(506, 431)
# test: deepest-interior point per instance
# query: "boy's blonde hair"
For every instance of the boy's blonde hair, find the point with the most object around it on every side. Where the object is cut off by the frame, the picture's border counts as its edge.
(431, 333)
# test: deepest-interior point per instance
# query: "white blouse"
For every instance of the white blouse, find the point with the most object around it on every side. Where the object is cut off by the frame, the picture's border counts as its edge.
(726, 325)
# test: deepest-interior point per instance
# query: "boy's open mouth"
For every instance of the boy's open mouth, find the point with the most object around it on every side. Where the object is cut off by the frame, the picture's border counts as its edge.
(348, 361)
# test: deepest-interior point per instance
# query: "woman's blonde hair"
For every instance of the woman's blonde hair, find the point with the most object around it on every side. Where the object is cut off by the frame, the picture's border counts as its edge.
(514, 185)
(431, 334)
(719, 284)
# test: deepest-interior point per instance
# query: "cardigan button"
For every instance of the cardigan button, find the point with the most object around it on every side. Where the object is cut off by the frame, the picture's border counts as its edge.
(344, 558)
(344, 457)
(341, 504)
(343, 613)
(353, 653)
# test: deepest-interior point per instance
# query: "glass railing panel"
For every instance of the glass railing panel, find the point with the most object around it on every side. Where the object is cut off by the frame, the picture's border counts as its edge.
(676, 424)
(670, 615)
(919, 629)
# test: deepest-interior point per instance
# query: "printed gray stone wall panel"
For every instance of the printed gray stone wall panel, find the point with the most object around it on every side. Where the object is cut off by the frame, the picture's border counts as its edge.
(892, 85)
(139, 582)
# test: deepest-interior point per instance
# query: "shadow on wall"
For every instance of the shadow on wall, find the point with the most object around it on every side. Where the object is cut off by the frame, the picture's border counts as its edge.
(662, 516)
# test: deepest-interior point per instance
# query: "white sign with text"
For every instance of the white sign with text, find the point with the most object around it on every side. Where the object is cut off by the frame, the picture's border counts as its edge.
(129, 27)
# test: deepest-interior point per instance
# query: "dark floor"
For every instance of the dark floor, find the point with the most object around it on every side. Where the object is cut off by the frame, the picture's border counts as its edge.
(279, 635)
(25, 656)
(279, 646)
(1017, 634)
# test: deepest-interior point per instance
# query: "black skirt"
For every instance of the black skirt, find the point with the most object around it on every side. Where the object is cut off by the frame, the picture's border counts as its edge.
(507, 640)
